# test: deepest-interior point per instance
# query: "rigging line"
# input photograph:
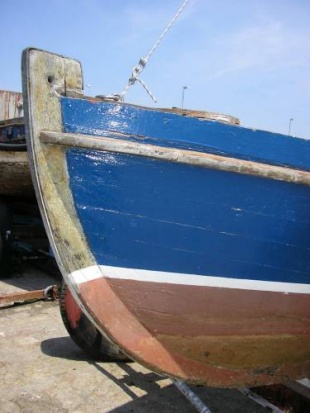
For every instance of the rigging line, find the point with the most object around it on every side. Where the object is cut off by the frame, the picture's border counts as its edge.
(182, 7)
(143, 61)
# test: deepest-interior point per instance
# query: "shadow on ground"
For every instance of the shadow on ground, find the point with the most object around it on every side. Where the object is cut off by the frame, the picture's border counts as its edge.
(155, 393)
(155, 397)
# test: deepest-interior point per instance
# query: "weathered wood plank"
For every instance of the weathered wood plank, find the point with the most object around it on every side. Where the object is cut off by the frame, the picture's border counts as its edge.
(222, 163)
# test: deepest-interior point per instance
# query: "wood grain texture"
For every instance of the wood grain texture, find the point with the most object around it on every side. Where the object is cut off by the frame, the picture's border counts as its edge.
(205, 160)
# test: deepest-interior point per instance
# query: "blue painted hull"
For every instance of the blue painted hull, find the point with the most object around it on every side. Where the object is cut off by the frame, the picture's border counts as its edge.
(174, 130)
(148, 214)
(143, 213)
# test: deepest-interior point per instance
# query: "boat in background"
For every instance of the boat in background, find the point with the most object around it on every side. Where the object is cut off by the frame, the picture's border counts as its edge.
(15, 178)
(185, 240)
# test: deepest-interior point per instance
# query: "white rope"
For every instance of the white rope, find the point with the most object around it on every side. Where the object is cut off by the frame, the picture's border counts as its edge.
(165, 31)
(143, 61)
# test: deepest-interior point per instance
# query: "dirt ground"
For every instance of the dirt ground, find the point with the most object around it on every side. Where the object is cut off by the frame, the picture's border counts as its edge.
(42, 370)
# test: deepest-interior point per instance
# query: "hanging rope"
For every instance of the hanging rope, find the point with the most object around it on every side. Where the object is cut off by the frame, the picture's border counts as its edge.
(143, 61)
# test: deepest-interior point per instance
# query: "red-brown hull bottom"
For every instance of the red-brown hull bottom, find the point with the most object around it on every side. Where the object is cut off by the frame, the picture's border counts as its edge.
(213, 336)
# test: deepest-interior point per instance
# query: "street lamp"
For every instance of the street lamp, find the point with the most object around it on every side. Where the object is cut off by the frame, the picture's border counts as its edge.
(289, 126)
(89, 88)
(183, 92)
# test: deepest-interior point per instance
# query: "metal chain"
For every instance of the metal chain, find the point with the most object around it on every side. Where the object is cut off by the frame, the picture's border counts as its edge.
(143, 61)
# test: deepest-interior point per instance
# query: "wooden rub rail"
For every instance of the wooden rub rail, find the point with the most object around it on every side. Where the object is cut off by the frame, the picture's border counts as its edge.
(176, 155)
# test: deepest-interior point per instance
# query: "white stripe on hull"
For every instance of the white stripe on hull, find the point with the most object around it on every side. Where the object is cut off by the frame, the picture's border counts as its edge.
(94, 272)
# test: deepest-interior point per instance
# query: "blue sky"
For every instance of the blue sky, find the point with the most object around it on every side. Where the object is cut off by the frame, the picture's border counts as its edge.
(247, 58)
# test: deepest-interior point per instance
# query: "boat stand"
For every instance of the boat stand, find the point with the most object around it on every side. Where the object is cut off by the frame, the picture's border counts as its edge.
(191, 396)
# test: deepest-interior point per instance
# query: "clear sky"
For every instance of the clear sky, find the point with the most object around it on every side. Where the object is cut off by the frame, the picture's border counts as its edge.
(246, 58)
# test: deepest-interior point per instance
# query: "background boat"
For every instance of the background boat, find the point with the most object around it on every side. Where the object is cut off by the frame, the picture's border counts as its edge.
(15, 179)
(17, 199)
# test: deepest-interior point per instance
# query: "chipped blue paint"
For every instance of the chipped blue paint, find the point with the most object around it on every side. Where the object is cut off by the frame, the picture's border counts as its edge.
(171, 130)
(12, 133)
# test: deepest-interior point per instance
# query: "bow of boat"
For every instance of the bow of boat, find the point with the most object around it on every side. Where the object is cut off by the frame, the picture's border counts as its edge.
(184, 239)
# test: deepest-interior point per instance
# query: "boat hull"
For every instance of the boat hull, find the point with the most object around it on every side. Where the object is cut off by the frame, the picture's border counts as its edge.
(15, 174)
(187, 249)
(224, 346)
(15, 177)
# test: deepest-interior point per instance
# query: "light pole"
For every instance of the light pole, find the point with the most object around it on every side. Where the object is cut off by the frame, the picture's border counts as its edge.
(183, 92)
(289, 126)
(89, 88)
